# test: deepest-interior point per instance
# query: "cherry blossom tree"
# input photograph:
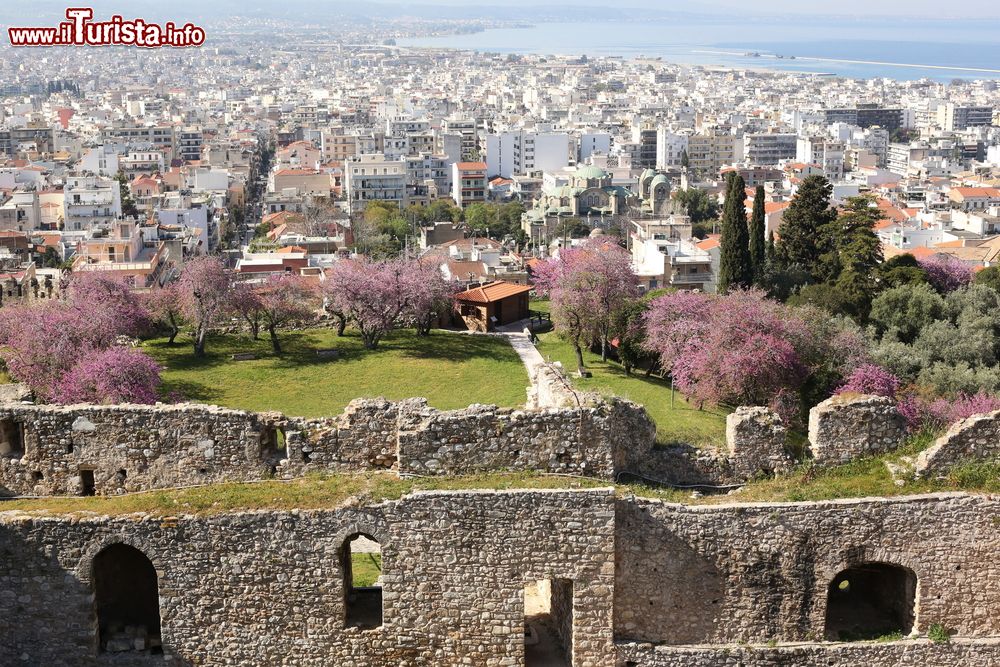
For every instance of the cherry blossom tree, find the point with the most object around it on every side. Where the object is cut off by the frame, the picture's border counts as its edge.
(871, 379)
(588, 285)
(206, 296)
(114, 375)
(373, 294)
(285, 299)
(246, 304)
(429, 295)
(45, 341)
(164, 307)
(744, 349)
(946, 273)
(110, 304)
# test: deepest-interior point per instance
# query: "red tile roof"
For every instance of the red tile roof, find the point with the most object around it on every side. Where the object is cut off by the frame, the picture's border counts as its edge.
(492, 292)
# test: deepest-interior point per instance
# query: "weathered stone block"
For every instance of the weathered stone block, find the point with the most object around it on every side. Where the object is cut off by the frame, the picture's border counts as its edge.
(848, 426)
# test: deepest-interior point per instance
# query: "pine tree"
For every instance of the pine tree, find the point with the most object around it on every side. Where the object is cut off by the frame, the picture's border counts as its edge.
(758, 250)
(806, 216)
(735, 269)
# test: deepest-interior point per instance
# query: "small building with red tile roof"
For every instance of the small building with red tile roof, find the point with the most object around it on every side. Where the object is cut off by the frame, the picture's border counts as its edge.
(492, 305)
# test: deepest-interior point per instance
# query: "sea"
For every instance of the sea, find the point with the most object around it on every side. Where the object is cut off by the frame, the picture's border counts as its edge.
(863, 49)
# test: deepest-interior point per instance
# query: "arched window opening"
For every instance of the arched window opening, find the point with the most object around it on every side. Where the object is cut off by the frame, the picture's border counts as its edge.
(362, 562)
(548, 623)
(127, 600)
(870, 601)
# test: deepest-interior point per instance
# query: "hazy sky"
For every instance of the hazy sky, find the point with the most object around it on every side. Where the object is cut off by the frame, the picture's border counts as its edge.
(969, 9)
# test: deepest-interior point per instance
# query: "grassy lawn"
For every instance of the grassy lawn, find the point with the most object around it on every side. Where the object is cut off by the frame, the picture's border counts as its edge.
(365, 569)
(679, 422)
(450, 370)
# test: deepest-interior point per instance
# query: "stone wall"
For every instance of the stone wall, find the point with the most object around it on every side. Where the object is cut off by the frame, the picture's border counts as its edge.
(756, 440)
(921, 653)
(129, 448)
(760, 573)
(551, 389)
(653, 584)
(976, 438)
(265, 588)
(52, 450)
(845, 427)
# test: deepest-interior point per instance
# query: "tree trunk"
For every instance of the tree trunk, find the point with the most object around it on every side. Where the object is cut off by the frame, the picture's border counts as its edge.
(579, 356)
(199, 342)
(174, 329)
(604, 348)
(275, 344)
(341, 323)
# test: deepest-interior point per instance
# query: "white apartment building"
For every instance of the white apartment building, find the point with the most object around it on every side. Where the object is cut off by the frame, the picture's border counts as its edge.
(593, 142)
(520, 151)
(90, 201)
(670, 148)
(827, 153)
(374, 177)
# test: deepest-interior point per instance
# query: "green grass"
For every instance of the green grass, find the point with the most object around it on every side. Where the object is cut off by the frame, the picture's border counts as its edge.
(315, 491)
(365, 569)
(329, 491)
(676, 421)
(450, 370)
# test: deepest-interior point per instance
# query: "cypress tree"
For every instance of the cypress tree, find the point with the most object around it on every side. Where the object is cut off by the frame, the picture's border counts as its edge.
(735, 269)
(805, 217)
(758, 250)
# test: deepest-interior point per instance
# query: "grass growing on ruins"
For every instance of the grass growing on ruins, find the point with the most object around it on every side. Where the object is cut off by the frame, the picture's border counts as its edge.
(450, 370)
(679, 422)
(310, 492)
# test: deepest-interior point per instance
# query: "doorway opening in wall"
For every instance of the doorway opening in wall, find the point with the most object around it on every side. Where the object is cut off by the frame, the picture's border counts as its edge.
(11, 438)
(87, 486)
(126, 597)
(871, 601)
(361, 560)
(548, 623)
(272, 447)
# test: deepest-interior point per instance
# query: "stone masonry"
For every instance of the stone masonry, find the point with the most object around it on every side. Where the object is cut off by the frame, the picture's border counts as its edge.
(58, 450)
(845, 427)
(976, 438)
(756, 439)
(653, 584)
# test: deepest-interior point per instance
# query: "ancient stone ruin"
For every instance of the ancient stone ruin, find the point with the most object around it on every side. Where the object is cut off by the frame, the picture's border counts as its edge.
(622, 581)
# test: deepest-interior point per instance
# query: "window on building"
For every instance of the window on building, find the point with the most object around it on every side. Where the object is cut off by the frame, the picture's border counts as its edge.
(361, 559)
(11, 439)
(869, 601)
(126, 597)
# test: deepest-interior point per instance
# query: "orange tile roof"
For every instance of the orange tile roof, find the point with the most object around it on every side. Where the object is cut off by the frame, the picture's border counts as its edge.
(491, 292)
(469, 166)
(708, 244)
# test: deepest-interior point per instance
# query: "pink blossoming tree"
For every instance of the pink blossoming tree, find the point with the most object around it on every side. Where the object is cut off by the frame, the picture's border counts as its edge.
(164, 307)
(285, 300)
(114, 375)
(429, 295)
(588, 286)
(744, 349)
(206, 296)
(45, 343)
(373, 294)
(946, 273)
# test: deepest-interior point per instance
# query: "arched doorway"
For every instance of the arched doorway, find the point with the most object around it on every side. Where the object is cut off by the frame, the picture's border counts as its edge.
(869, 601)
(127, 600)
